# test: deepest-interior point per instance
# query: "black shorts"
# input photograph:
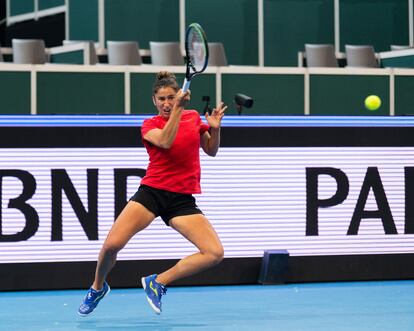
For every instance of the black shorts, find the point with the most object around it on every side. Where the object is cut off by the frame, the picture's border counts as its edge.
(166, 204)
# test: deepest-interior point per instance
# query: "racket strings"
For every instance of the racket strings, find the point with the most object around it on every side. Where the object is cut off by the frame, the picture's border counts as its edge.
(190, 63)
(197, 51)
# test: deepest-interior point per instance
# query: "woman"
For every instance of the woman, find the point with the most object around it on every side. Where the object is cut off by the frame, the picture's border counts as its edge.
(172, 139)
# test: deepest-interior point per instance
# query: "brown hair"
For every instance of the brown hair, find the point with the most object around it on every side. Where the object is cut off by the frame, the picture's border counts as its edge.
(165, 79)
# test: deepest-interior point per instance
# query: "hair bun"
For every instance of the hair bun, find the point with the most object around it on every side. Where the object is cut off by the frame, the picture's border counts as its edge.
(165, 79)
(165, 75)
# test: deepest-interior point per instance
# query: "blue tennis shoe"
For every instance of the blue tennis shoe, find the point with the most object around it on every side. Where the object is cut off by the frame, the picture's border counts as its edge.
(91, 300)
(154, 292)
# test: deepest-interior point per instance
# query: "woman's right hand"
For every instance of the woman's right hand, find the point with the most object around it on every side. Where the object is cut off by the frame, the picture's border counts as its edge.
(181, 98)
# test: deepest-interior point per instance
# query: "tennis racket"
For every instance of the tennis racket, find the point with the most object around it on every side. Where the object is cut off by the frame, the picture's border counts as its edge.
(196, 53)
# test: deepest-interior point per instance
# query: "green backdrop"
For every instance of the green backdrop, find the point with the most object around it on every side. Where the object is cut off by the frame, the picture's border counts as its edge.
(15, 92)
(142, 20)
(83, 20)
(80, 93)
(404, 96)
(19, 7)
(141, 92)
(380, 23)
(47, 4)
(232, 22)
(289, 24)
(345, 94)
(272, 94)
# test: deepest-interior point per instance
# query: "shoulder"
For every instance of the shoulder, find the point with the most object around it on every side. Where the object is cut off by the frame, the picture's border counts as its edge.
(152, 121)
(191, 113)
(149, 124)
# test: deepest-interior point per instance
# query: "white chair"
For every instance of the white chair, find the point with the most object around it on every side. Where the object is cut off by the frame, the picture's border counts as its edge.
(320, 55)
(399, 47)
(217, 54)
(29, 51)
(123, 52)
(93, 57)
(361, 56)
(166, 53)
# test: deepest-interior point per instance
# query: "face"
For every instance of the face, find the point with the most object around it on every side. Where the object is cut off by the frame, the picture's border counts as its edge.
(164, 101)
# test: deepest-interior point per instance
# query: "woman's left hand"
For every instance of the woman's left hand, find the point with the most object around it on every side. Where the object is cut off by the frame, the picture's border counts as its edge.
(214, 120)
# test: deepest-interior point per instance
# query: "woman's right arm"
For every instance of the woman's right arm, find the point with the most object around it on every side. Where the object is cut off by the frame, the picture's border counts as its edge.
(165, 137)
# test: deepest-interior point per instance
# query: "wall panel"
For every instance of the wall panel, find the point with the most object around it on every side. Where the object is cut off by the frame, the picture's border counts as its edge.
(345, 94)
(233, 22)
(83, 20)
(289, 24)
(404, 96)
(80, 93)
(15, 92)
(272, 94)
(142, 20)
(380, 23)
(141, 92)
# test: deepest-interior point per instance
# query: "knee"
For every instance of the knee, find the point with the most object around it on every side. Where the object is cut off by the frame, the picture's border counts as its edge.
(111, 248)
(216, 255)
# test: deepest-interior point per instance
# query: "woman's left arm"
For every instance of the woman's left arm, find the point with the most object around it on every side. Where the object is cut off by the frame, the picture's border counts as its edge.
(210, 140)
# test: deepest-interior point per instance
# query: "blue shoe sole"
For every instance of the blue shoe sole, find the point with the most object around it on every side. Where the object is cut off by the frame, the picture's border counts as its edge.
(144, 286)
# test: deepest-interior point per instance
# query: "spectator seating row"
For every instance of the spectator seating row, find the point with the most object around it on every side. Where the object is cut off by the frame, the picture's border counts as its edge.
(33, 51)
(324, 55)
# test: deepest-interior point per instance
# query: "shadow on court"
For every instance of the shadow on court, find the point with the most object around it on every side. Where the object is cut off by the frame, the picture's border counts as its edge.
(137, 325)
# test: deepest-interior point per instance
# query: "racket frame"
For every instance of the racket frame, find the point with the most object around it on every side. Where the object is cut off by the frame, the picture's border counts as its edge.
(188, 74)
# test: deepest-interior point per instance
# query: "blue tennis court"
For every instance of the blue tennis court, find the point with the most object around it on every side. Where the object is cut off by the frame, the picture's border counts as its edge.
(356, 306)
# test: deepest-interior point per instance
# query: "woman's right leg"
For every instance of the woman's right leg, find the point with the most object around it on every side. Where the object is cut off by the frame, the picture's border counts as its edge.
(134, 218)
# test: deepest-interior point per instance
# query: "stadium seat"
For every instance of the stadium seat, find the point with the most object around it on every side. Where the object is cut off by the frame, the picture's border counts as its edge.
(217, 54)
(399, 47)
(320, 55)
(361, 56)
(123, 53)
(93, 57)
(29, 51)
(166, 53)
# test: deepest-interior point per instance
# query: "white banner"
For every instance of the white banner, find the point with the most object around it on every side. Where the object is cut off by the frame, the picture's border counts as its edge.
(309, 201)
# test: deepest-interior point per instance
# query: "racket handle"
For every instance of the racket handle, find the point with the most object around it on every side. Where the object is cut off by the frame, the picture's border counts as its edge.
(186, 85)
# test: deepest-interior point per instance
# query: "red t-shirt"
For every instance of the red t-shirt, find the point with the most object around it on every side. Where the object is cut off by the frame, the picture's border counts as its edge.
(176, 169)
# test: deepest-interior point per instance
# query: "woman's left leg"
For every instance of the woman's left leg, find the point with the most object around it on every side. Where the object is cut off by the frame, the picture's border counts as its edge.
(198, 230)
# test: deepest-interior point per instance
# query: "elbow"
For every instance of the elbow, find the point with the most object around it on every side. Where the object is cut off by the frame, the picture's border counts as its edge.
(165, 144)
(210, 149)
(212, 153)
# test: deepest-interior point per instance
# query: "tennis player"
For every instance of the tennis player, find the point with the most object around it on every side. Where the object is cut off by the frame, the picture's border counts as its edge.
(172, 139)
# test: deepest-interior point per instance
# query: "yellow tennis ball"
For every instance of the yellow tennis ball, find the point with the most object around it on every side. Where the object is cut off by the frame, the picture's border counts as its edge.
(372, 102)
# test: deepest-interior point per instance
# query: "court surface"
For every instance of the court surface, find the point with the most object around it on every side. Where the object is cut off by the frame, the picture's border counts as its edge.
(356, 306)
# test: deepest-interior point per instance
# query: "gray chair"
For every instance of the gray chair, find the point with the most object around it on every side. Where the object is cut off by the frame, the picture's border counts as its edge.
(1, 56)
(92, 50)
(399, 47)
(166, 53)
(29, 51)
(360, 56)
(320, 55)
(217, 54)
(123, 52)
